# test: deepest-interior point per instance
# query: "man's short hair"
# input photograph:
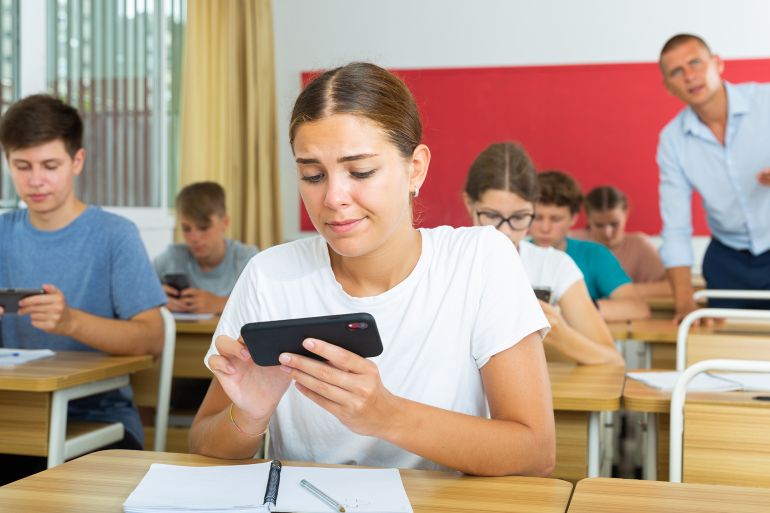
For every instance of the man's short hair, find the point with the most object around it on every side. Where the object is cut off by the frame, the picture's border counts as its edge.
(199, 201)
(680, 39)
(40, 119)
(560, 189)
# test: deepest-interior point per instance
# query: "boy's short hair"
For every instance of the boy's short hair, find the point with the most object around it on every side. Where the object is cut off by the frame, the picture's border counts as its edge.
(199, 201)
(560, 189)
(40, 119)
(678, 40)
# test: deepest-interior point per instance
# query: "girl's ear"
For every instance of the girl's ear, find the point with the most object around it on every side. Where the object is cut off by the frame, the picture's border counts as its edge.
(420, 161)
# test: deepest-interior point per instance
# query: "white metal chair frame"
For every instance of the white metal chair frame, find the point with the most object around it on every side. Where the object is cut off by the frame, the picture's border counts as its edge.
(714, 313)
(164, 383)
(60, 448)
(701, 295)
(678, 399)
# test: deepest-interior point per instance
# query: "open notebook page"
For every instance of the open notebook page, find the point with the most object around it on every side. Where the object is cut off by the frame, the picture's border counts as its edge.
(241, 489)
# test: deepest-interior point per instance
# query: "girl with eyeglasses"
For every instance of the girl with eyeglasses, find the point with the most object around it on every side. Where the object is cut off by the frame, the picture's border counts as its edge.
(501, 191)
(462, 382)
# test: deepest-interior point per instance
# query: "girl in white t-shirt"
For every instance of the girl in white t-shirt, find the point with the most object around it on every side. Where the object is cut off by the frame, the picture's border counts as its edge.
(501, 191)
(462, 382)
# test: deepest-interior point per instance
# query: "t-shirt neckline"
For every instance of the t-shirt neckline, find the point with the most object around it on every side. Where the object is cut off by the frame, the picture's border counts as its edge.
(391, 294)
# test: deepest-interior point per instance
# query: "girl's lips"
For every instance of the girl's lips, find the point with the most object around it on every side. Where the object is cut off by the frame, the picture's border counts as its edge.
(343, 226)
(37, 197)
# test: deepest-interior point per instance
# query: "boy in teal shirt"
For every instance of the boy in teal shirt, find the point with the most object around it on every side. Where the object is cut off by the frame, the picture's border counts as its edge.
(608, 284)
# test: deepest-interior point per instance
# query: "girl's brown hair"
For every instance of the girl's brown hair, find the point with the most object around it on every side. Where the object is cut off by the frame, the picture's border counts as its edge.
(503, 166)
(366, 90)
(604, 198)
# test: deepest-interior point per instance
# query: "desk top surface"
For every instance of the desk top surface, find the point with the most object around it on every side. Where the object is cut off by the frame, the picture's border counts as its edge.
(206, 327)
(665, 331)
(100, 482)
(67, 369)
(643, 398)
(605, 495)
(586, 387)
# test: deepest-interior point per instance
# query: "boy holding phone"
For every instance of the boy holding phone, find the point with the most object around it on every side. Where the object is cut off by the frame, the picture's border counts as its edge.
(199, 274)
(100, 290)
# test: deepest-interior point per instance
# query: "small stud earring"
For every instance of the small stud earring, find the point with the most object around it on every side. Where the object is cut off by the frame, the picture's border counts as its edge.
(416, 192)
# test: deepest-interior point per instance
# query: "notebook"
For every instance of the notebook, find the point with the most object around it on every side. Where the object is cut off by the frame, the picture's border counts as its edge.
(242, 489)
(10, 357)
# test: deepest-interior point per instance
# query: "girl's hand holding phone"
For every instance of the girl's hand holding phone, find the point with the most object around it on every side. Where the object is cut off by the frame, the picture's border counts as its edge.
(253, 389)
(347, 385)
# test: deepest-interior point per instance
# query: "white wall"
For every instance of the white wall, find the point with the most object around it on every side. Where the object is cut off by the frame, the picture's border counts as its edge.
(312, 34)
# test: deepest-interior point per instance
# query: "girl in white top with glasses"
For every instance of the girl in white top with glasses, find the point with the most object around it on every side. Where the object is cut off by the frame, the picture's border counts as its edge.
(501, 190)
(462, 382)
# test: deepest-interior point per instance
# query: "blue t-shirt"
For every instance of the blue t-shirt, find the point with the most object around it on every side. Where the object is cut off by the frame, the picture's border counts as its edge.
(601, 270)
(101, 266)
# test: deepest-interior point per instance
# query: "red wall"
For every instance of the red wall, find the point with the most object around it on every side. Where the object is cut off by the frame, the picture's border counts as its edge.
(599, 123)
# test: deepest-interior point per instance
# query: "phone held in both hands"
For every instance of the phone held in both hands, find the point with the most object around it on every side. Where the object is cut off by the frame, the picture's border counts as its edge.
(179, 281)
(9, 298)
(356, 332)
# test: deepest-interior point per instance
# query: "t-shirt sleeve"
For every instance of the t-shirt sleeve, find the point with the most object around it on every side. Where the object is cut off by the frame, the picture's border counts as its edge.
(135, 286)
(243, 254)
(611, 274)
(508, 310)
(566, 274)
(161, 263)
(242, 307)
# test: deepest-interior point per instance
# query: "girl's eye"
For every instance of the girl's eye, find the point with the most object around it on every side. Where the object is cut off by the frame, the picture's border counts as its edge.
(360, 175)
(313, 179)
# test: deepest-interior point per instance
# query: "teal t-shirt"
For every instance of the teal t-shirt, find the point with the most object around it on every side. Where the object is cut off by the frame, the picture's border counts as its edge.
(601, 270)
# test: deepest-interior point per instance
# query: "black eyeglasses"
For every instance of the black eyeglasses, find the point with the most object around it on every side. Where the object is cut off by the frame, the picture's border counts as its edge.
(517, 221)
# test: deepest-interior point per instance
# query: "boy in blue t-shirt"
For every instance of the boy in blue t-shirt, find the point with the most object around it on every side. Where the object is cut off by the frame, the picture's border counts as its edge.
(101, 293)
(608, 284)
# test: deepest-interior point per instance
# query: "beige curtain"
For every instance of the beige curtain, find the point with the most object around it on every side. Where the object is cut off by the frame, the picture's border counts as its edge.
(228, 132)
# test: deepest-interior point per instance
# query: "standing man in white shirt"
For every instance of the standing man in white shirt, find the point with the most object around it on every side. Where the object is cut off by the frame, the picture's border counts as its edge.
(719, 146)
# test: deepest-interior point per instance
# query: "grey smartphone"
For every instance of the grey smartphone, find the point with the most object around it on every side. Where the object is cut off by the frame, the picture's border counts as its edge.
(356, 332)
(179, 281)
(543, 294)
(9, 298)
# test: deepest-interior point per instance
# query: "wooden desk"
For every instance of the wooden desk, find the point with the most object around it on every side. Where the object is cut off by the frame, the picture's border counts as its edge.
(623, 495)
(659, 336)
(580, 393)
(193, 339)
(741, 451)
(34, 397)
(100, 482)
(661, 306)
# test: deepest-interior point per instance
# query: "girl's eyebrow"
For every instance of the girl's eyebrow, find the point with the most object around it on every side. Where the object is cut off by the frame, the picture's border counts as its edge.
(347, 158)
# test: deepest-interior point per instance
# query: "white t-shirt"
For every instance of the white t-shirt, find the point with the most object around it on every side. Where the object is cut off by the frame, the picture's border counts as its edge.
(466, 300)
(549, 268)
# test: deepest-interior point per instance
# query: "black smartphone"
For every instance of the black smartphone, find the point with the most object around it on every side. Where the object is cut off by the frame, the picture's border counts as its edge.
(9, 298)
(543, 294)
(355, 332)
(179, 281)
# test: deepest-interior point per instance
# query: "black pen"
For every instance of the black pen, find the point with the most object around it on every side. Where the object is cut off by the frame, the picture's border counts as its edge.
(273, 479)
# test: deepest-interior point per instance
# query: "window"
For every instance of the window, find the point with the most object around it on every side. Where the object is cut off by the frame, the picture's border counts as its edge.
(118, 62)
(9, 72)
